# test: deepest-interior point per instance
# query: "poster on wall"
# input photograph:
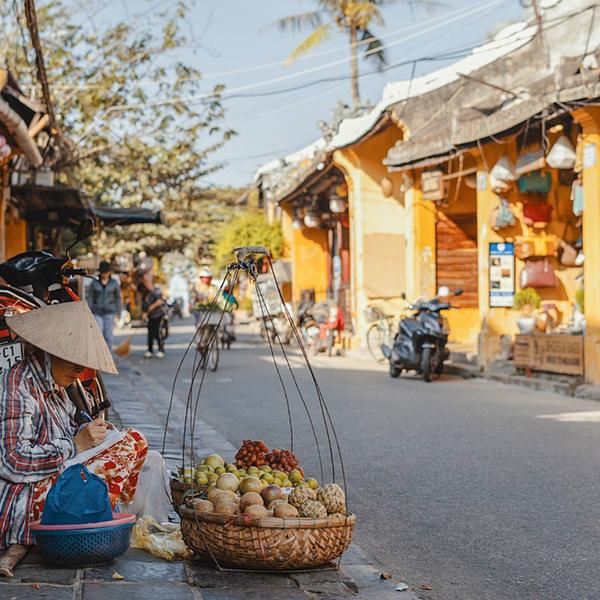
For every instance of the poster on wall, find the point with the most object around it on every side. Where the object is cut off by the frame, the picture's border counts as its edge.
(502, 274)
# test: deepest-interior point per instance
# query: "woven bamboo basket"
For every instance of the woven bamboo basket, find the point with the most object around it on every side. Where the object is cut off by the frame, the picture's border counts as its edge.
(178, 490)
(269, 544)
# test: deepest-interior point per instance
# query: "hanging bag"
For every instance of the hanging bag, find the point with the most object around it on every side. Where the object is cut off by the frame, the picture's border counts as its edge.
(568, 255)
(562, 154)
(538, 274)
(77, 497)
(535, 183)
(577, 197)
(504, 170)
(503, 216)
(537, 212)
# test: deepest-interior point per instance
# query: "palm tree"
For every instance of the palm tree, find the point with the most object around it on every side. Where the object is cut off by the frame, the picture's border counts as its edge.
(352, 17)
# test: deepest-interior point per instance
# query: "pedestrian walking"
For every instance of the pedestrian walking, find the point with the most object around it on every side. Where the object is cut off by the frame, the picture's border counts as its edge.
(104, 299)
(154, 308)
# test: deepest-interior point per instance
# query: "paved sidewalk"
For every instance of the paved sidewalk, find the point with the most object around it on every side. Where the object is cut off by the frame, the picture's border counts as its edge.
(142, 403)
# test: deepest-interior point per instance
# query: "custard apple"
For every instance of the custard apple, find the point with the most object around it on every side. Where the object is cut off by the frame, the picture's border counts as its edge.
(333, 498)
(298, 496)
(313, 510)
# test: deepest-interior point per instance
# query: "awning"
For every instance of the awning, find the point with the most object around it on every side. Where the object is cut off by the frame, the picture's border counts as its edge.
(111, 216)
(53, 204)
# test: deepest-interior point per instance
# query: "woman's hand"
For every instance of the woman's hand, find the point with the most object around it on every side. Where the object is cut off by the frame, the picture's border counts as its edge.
(91, 435)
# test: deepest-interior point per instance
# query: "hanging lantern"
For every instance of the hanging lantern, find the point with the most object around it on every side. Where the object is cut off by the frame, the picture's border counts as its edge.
(407, 183)
(337, 205)
(387, 187)
(311, 220)
(297, 223)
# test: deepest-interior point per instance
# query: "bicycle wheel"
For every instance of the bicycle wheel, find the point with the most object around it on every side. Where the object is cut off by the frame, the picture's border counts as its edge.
(213, 356)
(375, 337)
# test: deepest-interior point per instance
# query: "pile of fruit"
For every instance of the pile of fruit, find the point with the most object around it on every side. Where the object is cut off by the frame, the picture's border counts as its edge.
(256, 454)
(260, 492)
(208, 471)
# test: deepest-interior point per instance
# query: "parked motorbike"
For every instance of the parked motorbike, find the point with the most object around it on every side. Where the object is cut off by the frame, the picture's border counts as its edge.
(420, 343)
(309, 327)
(320, 324)
(30, 280)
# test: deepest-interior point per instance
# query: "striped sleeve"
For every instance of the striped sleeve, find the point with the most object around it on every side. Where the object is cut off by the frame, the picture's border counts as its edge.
(22, 458)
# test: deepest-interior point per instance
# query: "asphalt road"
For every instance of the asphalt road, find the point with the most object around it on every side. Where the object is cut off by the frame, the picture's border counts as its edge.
(478, 489)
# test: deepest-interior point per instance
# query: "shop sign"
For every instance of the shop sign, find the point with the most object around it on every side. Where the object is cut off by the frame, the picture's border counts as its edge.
(502, 274)
(553, 353)
(432, 185)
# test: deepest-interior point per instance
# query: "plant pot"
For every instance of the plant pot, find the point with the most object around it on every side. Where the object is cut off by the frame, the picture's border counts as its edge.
(526, 324)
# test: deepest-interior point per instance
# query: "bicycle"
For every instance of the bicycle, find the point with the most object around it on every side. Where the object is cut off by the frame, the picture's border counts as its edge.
(208, 346)
(380, 332)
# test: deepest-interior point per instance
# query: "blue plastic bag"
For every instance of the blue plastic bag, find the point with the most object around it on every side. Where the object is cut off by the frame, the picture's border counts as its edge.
(77, 497)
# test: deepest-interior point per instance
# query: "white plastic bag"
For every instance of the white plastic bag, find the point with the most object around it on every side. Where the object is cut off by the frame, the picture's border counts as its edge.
(162, 540)
(152, 492)
(562, 154)
(504, 170)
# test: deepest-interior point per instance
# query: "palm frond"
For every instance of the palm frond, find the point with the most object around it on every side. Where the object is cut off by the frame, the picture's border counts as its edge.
(362, 14)
(373, 48)
(318, 36)
(300, 21)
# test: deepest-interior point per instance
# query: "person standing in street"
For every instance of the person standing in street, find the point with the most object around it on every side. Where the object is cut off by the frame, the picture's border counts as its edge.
(153, 305)
(104, 299)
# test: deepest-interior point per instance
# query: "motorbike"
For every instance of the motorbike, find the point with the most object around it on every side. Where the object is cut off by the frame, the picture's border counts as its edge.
(31, 280)
(421, 341)
(309, 327)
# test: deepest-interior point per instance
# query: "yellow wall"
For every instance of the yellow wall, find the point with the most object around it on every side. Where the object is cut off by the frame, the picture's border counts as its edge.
(371, 213)
(589, 118)
(310, 262)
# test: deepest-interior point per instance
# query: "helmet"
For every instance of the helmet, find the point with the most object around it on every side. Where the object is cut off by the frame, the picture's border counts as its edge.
(205, 272)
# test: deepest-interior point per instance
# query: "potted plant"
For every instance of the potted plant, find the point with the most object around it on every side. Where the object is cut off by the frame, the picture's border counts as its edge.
(526, 301)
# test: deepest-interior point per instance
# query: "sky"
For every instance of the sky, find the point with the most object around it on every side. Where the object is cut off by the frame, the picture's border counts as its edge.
(236, 44)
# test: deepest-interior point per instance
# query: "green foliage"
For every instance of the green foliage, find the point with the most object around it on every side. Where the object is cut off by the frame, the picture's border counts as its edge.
(580, 298)
(248, 229)
(527, 297)
(131, 138)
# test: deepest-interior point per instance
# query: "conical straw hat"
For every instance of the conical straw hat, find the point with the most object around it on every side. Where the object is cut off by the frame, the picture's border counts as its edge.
(68, 331)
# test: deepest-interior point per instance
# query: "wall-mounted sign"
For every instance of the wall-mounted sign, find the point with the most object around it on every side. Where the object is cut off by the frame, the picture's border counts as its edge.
(502, 274)
(432, 185)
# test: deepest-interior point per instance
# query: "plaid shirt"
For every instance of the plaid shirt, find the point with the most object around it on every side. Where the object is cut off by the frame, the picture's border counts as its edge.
(36, 438)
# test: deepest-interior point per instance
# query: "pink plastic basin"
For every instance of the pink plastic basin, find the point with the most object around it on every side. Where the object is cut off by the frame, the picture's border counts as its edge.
(118, 519)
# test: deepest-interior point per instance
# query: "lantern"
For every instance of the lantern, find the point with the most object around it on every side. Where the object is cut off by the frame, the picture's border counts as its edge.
(311, 220)
(387, 187)
(337, 205)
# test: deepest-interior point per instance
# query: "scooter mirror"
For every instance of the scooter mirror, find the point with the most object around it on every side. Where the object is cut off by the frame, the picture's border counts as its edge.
(458, 292)
(85, 229)
(443, 291)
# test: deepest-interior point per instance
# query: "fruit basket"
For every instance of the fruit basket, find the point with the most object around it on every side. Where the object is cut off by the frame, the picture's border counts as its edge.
(270, 544)
(259, 511)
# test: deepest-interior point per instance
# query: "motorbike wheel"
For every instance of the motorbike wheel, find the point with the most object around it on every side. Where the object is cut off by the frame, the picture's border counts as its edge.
(426, 364)
(213, 357)
(394, 371)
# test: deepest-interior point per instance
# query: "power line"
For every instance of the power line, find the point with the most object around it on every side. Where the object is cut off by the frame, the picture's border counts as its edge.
(236, 91)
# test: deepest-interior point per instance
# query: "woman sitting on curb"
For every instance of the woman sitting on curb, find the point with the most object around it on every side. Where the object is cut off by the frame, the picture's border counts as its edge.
(37, 431)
